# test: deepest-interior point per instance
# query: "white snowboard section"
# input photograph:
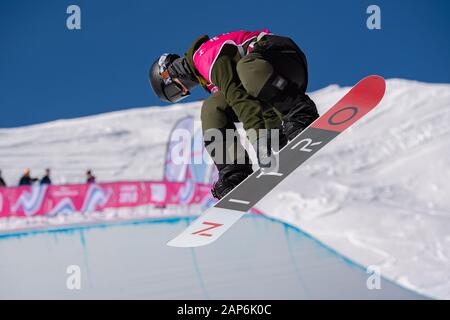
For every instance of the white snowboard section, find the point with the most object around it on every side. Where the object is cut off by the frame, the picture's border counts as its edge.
(207, 228)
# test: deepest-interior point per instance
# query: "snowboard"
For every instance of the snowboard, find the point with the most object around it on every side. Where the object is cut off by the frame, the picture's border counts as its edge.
(216, 220)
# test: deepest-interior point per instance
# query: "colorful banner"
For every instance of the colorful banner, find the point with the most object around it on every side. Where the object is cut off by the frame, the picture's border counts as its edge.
(186, 145)
(52, 200)
(184, 183)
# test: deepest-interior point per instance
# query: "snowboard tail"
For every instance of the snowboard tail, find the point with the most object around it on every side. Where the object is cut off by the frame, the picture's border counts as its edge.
(362, 98)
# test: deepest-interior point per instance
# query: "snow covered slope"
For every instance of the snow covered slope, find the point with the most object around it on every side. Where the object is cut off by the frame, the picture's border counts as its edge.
(124, 145)
(378, 194)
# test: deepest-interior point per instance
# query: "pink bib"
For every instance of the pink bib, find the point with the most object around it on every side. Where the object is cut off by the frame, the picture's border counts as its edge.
(206, 55)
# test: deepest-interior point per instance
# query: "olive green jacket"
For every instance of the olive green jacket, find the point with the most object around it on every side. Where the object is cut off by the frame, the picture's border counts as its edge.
(224, 76)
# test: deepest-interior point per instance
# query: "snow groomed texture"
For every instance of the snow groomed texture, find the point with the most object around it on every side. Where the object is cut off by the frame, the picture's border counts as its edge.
(259, 258)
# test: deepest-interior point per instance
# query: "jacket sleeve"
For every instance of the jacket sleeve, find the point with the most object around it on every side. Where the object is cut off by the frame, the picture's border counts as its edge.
(247, 108)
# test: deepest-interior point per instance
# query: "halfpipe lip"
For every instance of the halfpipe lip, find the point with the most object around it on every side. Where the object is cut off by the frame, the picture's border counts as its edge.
(64, 228)
(344, 258)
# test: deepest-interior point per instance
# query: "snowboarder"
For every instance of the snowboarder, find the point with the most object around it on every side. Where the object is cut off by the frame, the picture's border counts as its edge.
(256, 78)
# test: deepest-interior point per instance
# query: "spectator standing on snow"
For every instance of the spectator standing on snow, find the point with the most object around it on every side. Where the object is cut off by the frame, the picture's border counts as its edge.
(46, 178)
(26, 179)
(90, 177)
(2, 182)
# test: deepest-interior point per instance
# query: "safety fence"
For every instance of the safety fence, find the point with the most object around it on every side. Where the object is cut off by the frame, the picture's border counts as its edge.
(53, 200)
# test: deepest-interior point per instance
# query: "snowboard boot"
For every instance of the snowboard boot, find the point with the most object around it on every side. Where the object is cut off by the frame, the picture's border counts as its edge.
(299, 117)
(230, 175)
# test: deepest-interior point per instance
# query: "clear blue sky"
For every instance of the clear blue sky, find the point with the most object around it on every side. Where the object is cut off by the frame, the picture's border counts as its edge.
(48, 72)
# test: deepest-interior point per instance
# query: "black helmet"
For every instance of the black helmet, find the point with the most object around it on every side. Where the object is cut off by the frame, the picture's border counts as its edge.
(162, 73)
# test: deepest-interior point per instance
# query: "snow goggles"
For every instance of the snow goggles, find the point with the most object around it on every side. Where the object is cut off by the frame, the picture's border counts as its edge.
(172, 89)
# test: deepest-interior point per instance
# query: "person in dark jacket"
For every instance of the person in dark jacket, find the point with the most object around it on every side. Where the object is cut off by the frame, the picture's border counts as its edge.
(90, 178)
(2, 182)
(254, 77)
(26, 179)
(46, 178)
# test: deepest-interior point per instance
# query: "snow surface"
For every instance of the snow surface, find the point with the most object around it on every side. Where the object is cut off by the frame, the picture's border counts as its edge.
(378, 194)
(128, 260)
